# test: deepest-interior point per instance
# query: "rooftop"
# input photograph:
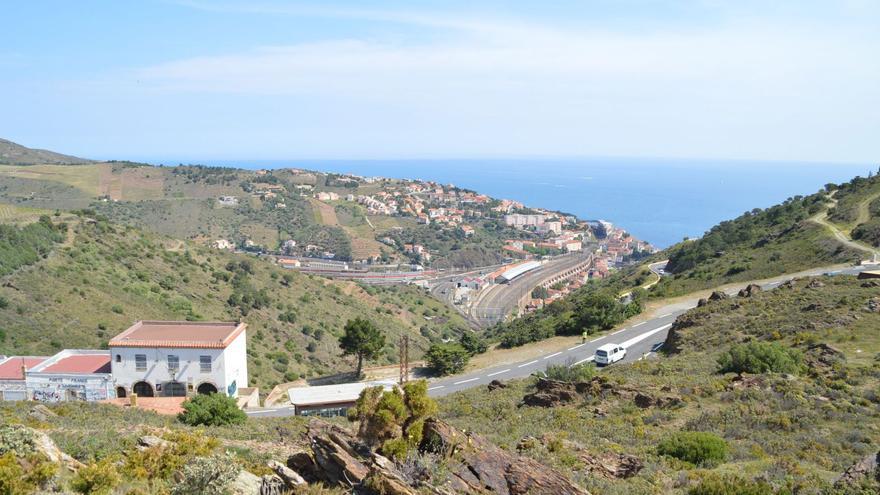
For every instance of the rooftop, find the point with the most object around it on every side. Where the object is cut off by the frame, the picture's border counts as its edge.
(10, 368)
(76, 362)
(202, 335)
(330, 394)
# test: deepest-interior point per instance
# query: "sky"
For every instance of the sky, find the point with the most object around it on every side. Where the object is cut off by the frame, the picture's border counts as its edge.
(789, 80)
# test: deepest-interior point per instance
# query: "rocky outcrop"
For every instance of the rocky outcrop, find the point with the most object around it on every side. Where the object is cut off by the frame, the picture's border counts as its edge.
(46, 446)
(495, 385)
(646, 401)
(608, 465)
(749, 291)
(823, 355)
(815, 284)
(552, 393)
(873, 305)
(718, 296)
(866, 469)
(291, 478)
(483, 467)
(151, 441)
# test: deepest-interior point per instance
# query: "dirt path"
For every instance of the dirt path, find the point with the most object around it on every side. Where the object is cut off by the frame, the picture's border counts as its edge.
(821, 218)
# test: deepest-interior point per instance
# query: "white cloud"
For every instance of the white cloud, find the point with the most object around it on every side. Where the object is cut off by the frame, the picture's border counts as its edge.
(744, 89)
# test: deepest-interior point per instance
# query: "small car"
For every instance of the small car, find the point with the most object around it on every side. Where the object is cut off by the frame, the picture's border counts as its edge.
(610, 353)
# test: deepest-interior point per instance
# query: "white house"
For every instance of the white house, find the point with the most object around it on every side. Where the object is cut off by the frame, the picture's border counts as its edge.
(12, 375)
(72, 374)
(180, 358)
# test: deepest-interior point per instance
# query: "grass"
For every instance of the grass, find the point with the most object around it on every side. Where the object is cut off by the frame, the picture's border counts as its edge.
(800, 432)
(82, 177)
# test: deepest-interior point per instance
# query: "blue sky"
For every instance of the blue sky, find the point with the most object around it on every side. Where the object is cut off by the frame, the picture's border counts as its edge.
(210, 80)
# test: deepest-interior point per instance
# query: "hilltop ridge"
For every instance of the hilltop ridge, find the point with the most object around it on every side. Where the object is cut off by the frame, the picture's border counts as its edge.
(16, 154)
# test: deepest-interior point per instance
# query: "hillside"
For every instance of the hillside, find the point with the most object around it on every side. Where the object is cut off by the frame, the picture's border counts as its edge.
(77, 289)
(795, 431)
(16, 154)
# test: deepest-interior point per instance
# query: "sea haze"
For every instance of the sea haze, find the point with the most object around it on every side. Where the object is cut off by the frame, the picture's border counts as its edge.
(661, 201)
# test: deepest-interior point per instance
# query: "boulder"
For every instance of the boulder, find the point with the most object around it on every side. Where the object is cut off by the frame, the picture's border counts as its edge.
(607, 465)
(290, 477)
(873, 305)
(495, 385)
(823, 356)
(749, 291)
(718, 296)
(272, 485)
(871, 283)
(150, 441)
(702, 302)
(46, 446)
(41, 413)
(386, 479)
(815, 284)
(645, 401)
(482, 466)
(335, 455)
(246, 483)
(866, 468)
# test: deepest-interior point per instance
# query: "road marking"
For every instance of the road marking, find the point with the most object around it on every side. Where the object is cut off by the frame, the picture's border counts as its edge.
(498, 372)
(526, 364)
(465, 381)
(553, 355)
(582, 361)
(637, 339)
(639, 324)
(597, 340)
(664, 316)
(577, 346)
(617, 332)
(438, 386)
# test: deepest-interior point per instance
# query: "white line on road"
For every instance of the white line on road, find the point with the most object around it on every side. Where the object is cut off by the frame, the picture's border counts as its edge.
(465, 381)
(526, 364)
(553, 355)
(597, 340)
(576, 347)
(498, 372)
(639, 338)
(582, 361)
(617, 332)
(639, 324)
(438, 386)
(664, 316)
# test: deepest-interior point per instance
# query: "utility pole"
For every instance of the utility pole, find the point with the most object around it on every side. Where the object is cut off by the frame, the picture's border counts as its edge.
(404, 359)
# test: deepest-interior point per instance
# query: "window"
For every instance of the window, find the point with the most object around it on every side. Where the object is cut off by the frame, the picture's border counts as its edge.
(205, 364)
(140, 362)
(173, 363)
(118, 358)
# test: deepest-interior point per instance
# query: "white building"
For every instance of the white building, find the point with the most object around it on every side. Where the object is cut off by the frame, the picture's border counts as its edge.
(72, 374)
(180, 358)
(12, 375)
(521, 221)
(329, 400)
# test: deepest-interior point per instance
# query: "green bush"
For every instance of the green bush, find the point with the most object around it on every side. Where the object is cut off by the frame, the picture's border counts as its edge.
(211, 410)
(207, 476)
(760, 357)
(24, 474)
(16, 439)
(472, 343)
(730, 485)
(446, 359)
(696, 447)
(98, 478)
(570, 373)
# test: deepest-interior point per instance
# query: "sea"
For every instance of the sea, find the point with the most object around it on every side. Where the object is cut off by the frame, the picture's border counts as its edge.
(661, 201)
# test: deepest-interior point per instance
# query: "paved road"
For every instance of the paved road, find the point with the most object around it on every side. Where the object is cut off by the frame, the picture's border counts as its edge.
(499, 300)
(640, 340)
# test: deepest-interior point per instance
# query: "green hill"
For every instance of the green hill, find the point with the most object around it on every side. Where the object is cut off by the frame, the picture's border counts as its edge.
(79, 288)
(16, 154)
(796, 430)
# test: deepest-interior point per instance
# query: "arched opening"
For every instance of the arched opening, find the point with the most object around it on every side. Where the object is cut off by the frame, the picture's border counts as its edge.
(120, 392)
(118, 358)
(207, 388)
(174, 389)
(142, 389)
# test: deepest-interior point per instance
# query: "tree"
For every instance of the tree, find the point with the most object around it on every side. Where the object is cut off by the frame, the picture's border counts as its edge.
(472, 343)
(393, 420)
(211, 410)
(361, 339)
(446, 359)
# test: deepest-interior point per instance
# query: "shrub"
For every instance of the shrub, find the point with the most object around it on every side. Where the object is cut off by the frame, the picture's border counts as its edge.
(760, 357)
(393, 419)
(16, 439)
(570, 373)
(696, 447)
(446, 359)
(98, 478)
(162, 462)
(730, 485)
(207, 476)
(24, 474)
(211, 410)
(472, 343)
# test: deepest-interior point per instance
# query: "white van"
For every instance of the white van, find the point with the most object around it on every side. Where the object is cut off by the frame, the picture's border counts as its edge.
(610, 353)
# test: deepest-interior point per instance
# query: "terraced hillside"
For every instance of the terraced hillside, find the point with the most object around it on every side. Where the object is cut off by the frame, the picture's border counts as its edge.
(805, 407)
(83, 290)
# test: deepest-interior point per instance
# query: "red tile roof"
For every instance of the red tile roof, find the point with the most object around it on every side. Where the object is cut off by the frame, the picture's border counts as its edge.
(80, 363)
(200, 335)
(10, 369)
